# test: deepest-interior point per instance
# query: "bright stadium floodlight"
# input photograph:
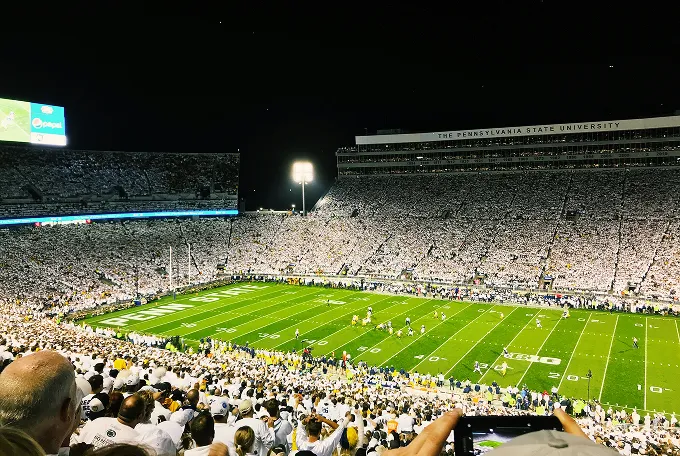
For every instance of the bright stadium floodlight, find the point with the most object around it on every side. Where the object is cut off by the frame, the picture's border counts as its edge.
(303, 173)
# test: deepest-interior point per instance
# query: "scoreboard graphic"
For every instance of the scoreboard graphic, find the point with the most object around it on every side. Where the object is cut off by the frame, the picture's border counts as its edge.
(36, 123)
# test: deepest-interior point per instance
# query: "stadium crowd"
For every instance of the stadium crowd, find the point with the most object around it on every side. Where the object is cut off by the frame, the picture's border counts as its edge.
(606, 238)
(55, 182)
(166, 402)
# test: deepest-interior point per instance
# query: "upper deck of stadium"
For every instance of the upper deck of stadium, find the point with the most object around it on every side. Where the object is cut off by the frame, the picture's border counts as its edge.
(613, 143)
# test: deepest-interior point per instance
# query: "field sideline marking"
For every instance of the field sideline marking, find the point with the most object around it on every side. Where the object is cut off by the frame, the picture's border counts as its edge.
(573, 352)
(451, 337)
(478, 342)
(677, 330)
(531, 320)
(207, 307)
(646, 329)
(541, 348)
(409, 310)
(228, 312)
(418, 338)
(257, 318)
(599, 398)
(344, 327)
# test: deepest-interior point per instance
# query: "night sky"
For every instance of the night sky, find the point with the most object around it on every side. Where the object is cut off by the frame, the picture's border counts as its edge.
(278, 90)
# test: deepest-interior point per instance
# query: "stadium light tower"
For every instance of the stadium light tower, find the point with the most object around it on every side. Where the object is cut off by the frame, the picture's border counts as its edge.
(303, 173)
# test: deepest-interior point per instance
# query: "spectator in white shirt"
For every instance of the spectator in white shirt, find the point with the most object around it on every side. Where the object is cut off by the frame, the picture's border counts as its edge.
(282, 428)
(264, 430)
(108, 431)
(203, 433)
(219, 409)
(406, 422)
(309, 434)
(244, 441)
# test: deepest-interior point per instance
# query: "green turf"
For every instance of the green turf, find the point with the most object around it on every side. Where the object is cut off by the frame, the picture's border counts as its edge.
(558, 354)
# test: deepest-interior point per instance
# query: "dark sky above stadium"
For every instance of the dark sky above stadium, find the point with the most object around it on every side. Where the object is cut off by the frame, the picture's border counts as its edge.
(278, 86)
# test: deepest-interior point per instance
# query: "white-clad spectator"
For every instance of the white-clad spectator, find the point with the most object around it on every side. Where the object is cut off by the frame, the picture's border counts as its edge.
(309, 434)
(405, 422)
(219, 409)
(108, 431)
(282, 428)
(264, 430)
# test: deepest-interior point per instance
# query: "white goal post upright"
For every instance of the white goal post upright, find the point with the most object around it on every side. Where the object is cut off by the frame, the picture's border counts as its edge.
(170, 268)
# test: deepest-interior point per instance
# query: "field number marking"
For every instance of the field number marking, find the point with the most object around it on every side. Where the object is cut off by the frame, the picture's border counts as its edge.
(534, 358)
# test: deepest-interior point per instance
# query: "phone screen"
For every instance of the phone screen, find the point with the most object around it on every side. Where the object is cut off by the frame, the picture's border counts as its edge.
(480, 434)
(485, 440)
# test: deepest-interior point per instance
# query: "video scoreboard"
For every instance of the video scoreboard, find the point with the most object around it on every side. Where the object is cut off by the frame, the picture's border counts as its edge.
(36, 123)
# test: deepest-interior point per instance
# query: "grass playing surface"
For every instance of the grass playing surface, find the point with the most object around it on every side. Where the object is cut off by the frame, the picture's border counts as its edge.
(558, 354)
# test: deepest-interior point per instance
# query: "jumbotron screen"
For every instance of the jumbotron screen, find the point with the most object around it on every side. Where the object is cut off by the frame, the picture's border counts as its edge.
(23, 121)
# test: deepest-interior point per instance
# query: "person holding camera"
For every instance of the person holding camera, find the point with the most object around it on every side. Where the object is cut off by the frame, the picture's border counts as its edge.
(309, 434)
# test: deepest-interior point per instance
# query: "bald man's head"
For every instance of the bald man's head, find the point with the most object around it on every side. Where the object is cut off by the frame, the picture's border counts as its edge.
(192, 397)
(38, 394)
(132, 410)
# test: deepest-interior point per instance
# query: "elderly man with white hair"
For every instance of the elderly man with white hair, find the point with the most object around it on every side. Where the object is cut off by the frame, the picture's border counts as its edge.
(38, 395)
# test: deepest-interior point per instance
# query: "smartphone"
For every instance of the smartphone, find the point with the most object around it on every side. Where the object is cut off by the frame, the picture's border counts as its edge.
(476, 435)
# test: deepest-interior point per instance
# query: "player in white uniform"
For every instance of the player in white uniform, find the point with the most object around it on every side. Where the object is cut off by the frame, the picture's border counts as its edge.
(297, 334)
(8, 120)
(408, 321)
(410, 331)
(505, 352)
(538, 323)
(635, 342)
(477, 368)
(422, 329)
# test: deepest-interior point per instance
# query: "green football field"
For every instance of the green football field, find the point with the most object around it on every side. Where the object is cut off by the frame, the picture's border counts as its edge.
(558, 354)
(20, 129)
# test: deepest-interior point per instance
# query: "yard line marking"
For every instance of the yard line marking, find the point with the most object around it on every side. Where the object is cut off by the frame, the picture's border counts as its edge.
(367, 303)
(414, 340)
(676, 330)
(301, 321)
(607, 364)
(250, 313)
(209, 309)
(452, 336)
(646, 329)
(407, 310)
(513, 339)
(483, 337)
(539, 349)
(573, 352)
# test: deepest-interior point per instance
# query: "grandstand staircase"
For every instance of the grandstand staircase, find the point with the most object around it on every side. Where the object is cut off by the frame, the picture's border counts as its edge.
(231, 231)
(618, 248)
(563, 214)
(618, 255)
(666, 234)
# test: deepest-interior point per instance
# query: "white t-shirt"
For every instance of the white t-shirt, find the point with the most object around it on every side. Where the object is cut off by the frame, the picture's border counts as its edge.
(85, 406)
(107, 431)
(405, 423)
(223, 433)
(200, 451)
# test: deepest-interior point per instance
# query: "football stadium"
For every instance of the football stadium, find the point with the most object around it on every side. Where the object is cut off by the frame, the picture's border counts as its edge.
(522, 273)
